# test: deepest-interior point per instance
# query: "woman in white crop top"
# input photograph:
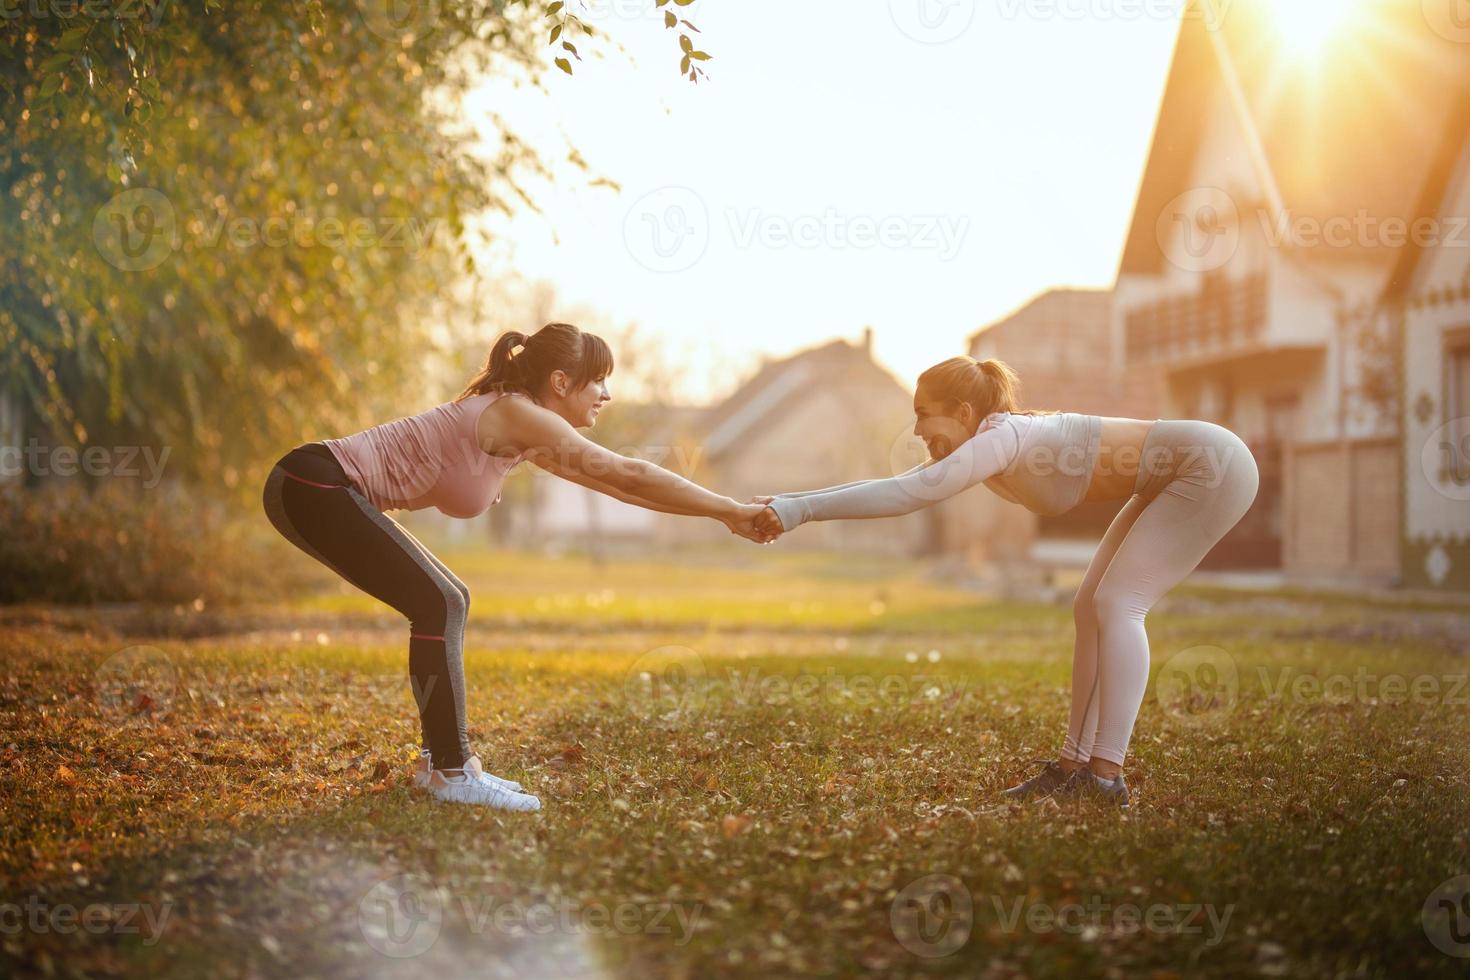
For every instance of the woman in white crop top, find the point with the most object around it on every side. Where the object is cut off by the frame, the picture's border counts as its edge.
(1186, 483)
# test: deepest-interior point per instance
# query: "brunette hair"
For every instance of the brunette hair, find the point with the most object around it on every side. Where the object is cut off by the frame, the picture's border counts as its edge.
(523, 363)
(988, 386)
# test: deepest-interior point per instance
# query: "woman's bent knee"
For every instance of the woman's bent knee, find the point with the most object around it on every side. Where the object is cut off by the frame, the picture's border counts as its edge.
(1114, 604)
(457, 605)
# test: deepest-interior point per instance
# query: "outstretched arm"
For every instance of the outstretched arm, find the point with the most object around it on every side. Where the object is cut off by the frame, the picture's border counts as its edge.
(845, 486)
(808, 493)
(975, 461)
(550, 442)
(550, 465)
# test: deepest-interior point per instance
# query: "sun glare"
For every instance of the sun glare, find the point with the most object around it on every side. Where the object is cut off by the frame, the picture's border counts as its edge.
(1308, 26)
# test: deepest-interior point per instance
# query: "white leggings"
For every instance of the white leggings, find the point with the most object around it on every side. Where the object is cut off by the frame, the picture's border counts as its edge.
(1195, 482)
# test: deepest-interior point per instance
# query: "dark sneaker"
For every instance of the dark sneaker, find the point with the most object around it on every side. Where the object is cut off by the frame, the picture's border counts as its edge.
(1042, 784)
(1084, 784)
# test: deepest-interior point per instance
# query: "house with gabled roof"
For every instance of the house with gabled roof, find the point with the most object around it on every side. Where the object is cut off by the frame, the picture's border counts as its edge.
(1270, 219)
(825, 415)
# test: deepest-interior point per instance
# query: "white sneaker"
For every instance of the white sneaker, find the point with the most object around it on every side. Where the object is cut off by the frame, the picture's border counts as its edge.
(465, 788)
(421, 774)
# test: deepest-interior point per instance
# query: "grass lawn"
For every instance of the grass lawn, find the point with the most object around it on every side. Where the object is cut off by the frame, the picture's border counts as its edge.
(782, 766)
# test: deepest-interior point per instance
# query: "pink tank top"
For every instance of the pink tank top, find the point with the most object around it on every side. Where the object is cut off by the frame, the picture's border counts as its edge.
(432, 459)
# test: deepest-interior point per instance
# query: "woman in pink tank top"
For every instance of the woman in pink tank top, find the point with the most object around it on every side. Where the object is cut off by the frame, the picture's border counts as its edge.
(330, 499)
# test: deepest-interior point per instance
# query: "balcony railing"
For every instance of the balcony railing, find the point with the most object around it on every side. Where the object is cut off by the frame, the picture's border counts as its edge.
(1223, 315)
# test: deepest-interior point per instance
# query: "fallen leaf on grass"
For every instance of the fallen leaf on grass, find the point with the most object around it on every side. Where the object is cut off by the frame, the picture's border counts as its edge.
(733, 825)
(568, 756)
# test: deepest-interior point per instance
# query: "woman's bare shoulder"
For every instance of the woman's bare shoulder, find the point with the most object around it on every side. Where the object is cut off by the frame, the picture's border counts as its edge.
(505, 421)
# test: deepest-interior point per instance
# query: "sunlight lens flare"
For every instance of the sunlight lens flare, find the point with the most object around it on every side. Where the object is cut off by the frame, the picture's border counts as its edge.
(1308, 26)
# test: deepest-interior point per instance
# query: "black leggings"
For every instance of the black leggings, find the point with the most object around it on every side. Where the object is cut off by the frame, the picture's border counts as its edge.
(313, 503)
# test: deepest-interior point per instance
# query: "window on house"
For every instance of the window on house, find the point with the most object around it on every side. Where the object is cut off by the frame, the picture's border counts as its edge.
(1457, 407)
(1459, 394)
(1281, 419)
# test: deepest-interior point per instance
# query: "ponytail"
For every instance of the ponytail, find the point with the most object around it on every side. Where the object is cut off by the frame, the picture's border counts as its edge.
(522, 363)
(988, 386)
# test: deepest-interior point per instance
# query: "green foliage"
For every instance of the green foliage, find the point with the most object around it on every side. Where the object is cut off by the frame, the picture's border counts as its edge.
(171, 275)
(689, 63)
(122, 543)
(567, 22)
(224, 232)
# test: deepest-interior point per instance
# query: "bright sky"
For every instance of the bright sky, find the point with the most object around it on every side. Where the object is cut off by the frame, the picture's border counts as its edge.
(923, 166)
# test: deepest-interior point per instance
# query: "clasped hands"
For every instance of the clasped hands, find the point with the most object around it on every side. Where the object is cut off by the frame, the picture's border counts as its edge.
(755, 521)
